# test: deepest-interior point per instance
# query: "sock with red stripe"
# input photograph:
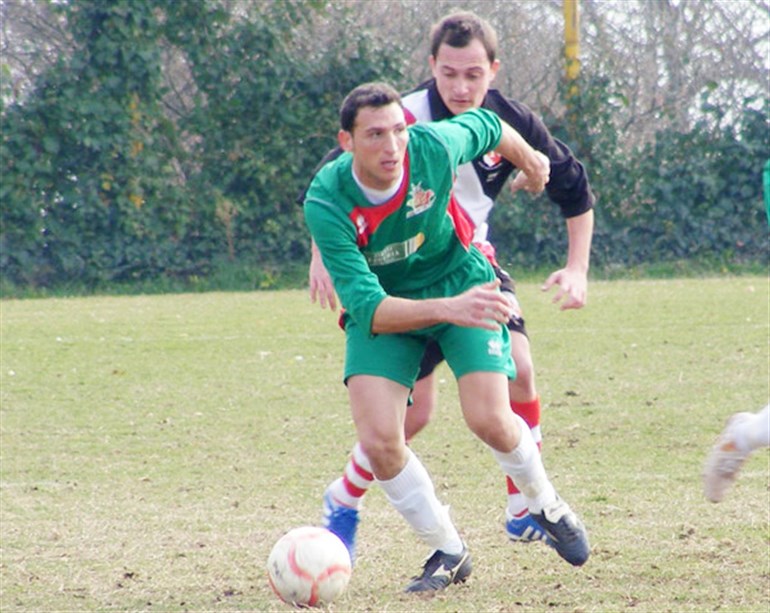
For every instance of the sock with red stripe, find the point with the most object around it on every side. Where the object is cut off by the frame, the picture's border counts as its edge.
(349, 490)
(530, 413)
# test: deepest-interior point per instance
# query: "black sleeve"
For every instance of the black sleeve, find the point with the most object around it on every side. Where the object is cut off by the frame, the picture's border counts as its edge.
(568, 186)
(507, 284)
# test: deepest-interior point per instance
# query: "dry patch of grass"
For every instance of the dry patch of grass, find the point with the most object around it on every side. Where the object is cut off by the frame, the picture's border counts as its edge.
(152, 449)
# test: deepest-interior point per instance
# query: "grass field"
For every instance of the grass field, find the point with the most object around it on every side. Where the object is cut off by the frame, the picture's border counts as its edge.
(152, 449)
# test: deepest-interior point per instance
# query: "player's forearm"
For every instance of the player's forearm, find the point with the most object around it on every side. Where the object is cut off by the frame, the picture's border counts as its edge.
(516, 150)
(481, 306)
(580, 231)
(394, 315)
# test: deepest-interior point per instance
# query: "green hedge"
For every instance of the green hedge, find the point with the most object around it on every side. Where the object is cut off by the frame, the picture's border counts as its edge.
(694, 196)
(103, 184)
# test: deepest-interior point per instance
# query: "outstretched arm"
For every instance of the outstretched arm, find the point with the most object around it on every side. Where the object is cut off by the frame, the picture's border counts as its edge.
(321, 286)
(572, 280)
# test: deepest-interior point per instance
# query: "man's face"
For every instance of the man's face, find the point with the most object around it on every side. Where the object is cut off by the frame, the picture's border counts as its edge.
(378, 144)
(463, 75)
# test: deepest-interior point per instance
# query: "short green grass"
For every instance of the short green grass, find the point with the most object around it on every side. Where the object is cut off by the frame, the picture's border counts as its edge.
(152, 449)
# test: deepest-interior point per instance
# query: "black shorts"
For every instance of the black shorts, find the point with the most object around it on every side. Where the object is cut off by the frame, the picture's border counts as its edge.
(433, 355)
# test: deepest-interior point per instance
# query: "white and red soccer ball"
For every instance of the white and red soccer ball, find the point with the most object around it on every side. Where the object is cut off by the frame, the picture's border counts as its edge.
(309, 566)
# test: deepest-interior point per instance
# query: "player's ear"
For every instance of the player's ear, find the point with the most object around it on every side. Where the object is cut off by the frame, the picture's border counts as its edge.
(345, 139)
(493, 68)
(432, 64)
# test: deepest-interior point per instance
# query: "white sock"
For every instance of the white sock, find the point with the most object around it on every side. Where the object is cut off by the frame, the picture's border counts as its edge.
(411, 492)
(525, 467)
(755, 432)
(529, 411)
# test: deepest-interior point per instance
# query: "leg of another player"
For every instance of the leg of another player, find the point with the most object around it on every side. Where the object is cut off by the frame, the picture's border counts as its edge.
(424, 400)
(343, 497)
(743, 434)
(526, 404)
(349, 489)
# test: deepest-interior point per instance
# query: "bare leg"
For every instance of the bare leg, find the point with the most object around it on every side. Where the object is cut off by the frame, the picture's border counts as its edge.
(424, 400)
(378, 406)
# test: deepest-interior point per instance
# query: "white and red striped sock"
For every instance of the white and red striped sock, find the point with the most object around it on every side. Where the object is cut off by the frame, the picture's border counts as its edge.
(530, 413)
(349, 490)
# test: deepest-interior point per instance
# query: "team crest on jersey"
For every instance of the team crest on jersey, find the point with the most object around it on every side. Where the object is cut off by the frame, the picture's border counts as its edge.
(492, 159)
(420, 200)
(361, 225)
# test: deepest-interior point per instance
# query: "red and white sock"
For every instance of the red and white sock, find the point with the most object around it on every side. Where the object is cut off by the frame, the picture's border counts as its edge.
(530, 413)
(350, 488)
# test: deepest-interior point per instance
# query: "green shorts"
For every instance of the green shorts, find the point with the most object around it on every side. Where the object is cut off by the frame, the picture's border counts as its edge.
(397, 356)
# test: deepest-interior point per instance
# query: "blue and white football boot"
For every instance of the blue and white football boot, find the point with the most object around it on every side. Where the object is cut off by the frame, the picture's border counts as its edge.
(342, 521)
(525, 529)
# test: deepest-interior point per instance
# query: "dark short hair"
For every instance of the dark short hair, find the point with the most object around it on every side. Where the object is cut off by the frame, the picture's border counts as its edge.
(459, 29)
(369, 94)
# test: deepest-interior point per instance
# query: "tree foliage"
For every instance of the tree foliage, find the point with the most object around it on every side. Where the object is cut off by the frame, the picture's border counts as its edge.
(146, 138)
(88, 191)
(103, 183)
(692, 195)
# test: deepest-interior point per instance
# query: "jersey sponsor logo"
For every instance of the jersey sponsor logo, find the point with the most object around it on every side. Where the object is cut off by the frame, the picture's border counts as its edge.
(395, 252)
(491, 159)
(495, 347)
(420, 200)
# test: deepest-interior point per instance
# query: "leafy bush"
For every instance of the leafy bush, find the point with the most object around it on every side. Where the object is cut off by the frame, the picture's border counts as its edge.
(89, 191)
(686, 196)
(105, 182)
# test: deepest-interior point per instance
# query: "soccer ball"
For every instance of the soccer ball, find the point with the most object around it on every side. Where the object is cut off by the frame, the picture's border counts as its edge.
(309, 566)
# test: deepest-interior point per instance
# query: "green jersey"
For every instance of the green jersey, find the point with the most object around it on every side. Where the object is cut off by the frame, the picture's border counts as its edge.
(407, 245)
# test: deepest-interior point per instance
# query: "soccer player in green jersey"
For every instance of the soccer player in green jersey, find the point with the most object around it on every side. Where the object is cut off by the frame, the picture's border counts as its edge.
(463, 61)
(399, 253)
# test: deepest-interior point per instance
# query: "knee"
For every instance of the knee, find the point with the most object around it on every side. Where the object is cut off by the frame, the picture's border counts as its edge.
(386, 455)
(499, 430)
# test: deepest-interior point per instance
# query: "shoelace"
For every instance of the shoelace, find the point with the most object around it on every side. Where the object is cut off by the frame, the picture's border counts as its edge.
(556, 510)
